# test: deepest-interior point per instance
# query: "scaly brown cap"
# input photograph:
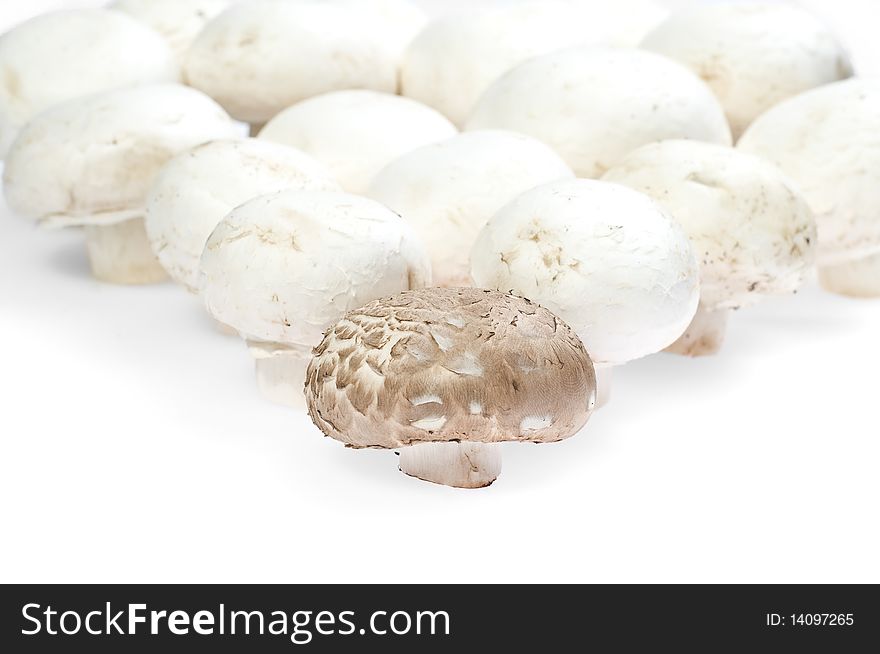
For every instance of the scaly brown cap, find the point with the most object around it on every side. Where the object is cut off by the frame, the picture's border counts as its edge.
(450, 364)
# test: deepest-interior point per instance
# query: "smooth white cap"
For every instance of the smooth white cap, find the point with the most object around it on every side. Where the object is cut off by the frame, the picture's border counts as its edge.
(752, 54)
(179, 21)
(92, 160)
(399, 20)
(196, 189)
(595, 105)
(606, 259)
(457, 56)
(260, 57)
(750, 228)
(624, 21)
(357, 133)
(281, 268)
(828, 141)
(447, 191)
(64, 55)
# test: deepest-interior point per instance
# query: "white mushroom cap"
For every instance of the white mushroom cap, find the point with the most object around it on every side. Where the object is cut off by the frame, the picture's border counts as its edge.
(595, 105)
(624, 21)
(68, 54)
(606, 259)
(281, 268)
(458, 364)
(399, 20)
(749, 226)
(179, 21)
(92, 160)
(447, 191)
(847, 18)
(260, 57)
(357, 133)
(196, 189)
(752, 54)
(828, 141)
(457, 56)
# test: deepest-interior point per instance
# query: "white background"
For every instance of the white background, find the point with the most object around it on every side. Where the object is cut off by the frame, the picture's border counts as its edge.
(135, 448)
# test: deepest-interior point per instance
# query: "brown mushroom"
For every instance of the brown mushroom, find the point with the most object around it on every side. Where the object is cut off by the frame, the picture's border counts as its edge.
(446, 375)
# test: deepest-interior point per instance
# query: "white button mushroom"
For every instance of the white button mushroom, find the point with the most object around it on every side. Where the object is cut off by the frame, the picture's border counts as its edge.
(752, 54)
(91, 162)
(356, 133)
(749, 226)
(850, 21)
(68, 54)
(196, 189)
(260, 57)
(448, 190)
(281, 268)
(457, 56)
(399, 20)
(606, 259)
(179, 21)
(624, 21)
(447, 375)
(827, 141)
(595, 105)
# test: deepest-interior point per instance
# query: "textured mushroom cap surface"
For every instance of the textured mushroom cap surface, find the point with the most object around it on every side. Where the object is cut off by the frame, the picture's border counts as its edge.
(260, 57)
(828, 141)
(596, 105)
(448, 190)
(750, 228)
(460, 364)
(64, 55)
(358, 132)
(457, 56)
(282, 267)
(752, 54)
(196, 189)
(607, 259)
(179, 21)
(92, 160)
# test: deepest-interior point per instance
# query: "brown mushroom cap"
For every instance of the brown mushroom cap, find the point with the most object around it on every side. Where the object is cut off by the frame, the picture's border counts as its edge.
(450, 364)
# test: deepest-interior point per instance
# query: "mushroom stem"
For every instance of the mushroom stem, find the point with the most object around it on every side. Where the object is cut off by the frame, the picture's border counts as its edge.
(460, 464)
(604, 375)
(281, 377)
(857, 278)
(120, 253)
(704, 335)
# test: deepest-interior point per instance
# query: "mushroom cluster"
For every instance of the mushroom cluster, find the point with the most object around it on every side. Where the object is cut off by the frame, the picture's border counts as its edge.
(298, 165)
(356, 133)
(752, 55)
(90, 162)
(257, 58)
(828, 141)
(607, 259)
(457, 57)
(281, 267)
(750, 227)
(594, 105)
(112, 50)
(194, 191)
(449, 190)
(178, 21)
